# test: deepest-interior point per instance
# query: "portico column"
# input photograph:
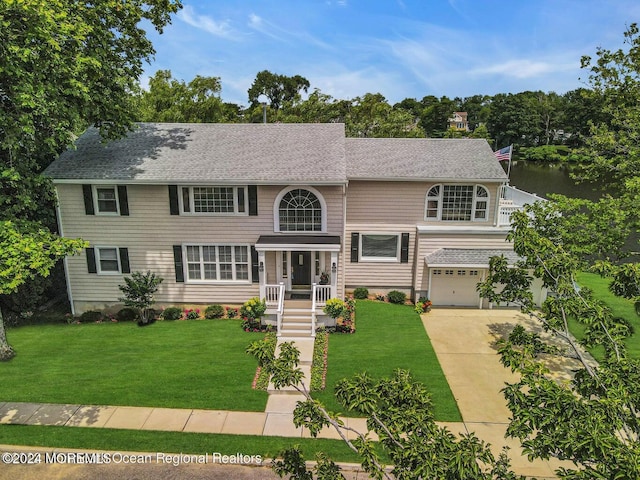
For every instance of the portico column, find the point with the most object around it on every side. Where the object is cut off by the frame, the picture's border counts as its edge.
(261, 273)
(334, 274)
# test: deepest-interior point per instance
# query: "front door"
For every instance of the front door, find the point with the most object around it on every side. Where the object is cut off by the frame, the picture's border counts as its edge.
(301, 268)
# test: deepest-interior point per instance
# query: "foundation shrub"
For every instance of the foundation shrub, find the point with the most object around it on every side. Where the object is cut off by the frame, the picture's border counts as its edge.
(172, 313)
(214, 311)
(361, 293)
(396, 296)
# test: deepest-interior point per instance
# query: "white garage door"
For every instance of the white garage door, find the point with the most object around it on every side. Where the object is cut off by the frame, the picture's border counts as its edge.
(455, 287)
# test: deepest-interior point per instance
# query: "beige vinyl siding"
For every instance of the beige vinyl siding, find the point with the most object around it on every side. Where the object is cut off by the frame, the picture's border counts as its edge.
(373, 274)
(402, 202)
(429, 243)
(149, 233)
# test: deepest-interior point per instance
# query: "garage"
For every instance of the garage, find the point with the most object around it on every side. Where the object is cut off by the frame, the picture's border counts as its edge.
(455, 286)
(453, 274)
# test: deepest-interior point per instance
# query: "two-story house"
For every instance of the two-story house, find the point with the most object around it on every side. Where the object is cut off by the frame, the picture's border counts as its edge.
(225, 212)
(459, 121)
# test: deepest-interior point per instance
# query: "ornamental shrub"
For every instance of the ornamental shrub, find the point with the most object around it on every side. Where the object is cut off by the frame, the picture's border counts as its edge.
(232, 312)
(192, 314)
(127, 314)
(253, 308)
(396, 296)
(214, 311)
(361, 293)
(334, 307)
(172, 313)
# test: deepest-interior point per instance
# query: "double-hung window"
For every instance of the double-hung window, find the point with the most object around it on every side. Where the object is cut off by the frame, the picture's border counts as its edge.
(106, 200)
(107, 260)
(217, 263)
(457, 203)
(213, 200)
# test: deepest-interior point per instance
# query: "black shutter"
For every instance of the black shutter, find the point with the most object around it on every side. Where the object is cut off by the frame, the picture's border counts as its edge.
(87, 193)
(255, 267)
(355, 243)
(91, 260)
(174, 207)
(177, 262)
(124, 260)
(404, 248)
(253, 200)
(123, 200)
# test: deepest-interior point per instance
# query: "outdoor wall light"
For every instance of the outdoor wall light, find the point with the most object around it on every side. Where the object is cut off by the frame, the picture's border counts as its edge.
(261, 267)
(334, 267)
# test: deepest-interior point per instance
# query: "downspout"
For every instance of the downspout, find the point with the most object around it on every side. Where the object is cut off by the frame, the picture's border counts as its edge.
(64, 260)
(343, 267)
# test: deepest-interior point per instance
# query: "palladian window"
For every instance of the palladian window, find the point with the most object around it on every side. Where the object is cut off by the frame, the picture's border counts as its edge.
(300, 210)
(457, 203)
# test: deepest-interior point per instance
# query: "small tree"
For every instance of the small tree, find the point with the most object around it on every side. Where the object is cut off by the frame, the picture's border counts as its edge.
(399, 410)
(138, 292)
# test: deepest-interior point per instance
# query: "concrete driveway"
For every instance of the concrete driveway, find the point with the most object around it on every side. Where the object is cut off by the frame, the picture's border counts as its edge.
(464, 341)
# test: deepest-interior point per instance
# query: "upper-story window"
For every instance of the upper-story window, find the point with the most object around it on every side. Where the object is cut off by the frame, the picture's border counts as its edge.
(213, 200)
(106, 200)
(457, 203)
(300, 210)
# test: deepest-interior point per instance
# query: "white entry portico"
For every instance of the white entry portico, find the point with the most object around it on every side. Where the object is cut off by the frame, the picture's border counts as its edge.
(298, 262)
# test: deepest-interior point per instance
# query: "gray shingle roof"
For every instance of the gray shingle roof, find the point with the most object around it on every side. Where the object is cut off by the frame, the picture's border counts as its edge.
(201, 152)
(272, 153)
(421, 158)
(467, 256)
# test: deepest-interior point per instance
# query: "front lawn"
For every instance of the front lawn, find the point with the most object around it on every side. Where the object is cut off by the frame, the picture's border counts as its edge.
(621, 307)
(181, 364)
(388, 337)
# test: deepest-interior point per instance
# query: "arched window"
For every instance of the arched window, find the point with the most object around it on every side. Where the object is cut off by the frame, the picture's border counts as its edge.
(300, 210)
(457, 203)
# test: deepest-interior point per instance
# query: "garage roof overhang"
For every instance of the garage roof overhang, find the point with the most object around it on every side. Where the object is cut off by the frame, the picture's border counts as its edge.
(323, 243)
(467, 257)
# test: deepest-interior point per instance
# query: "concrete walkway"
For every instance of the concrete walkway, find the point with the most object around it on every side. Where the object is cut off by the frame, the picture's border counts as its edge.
(462, 339)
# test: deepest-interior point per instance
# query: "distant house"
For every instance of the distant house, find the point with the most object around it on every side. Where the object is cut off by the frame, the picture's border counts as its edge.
(225, 212)
(459, 121)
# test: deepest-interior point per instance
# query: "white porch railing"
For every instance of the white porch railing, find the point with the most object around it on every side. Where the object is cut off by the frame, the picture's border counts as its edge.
(506, 208)
(321, 293)
(274, 298)
(272, 295)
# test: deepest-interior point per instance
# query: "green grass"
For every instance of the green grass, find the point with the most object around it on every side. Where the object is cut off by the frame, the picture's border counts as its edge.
(182, 364)
(388, 337)
(620, 307)
(168, 442)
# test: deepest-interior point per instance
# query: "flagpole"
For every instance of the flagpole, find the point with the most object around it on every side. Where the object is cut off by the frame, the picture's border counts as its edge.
(509, 167)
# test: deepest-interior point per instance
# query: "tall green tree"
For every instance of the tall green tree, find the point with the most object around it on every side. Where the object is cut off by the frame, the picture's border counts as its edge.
(277, 88)
(66, 64)
(171, 100)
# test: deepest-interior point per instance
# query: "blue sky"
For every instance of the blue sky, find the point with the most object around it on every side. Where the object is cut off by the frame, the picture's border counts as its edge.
(399, 48)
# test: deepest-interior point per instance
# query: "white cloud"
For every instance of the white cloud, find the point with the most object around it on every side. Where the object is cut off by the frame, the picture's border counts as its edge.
(523, 68)
(206, 23)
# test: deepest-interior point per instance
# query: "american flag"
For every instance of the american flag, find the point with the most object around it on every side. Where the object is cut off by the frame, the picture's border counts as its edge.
(503, 154)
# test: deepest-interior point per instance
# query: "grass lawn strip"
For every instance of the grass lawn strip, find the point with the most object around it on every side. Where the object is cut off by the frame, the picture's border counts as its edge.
(261, 378)
(198, 364)
(388, 337)
(168, 442)
(621, 307)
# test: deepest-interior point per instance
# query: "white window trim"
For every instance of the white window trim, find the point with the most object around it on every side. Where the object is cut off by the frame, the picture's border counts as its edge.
(395, 259)
(276, 211)
(185, 262)
(474, 203)
(99, 270)
(96, 203)
(235, 212)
